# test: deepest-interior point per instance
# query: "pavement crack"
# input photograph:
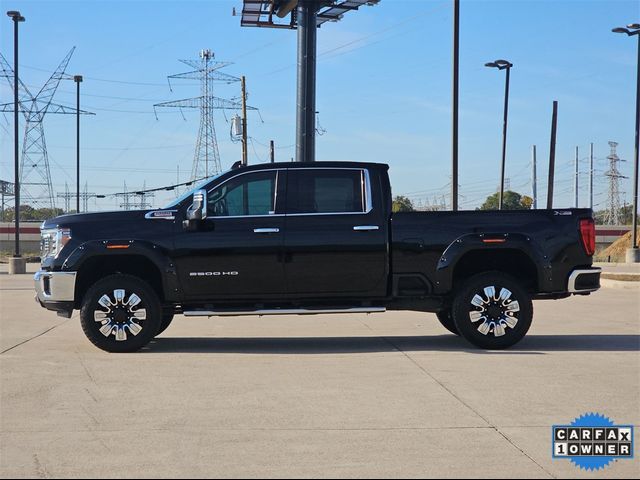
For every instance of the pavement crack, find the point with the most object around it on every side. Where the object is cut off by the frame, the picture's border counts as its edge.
(462, 402)
(86, 370)
(41, 471)
(33, 338)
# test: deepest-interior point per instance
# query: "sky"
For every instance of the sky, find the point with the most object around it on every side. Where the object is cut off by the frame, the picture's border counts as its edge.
(383, 91)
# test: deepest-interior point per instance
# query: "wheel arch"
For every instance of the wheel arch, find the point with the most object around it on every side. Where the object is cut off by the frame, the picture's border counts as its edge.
(100, 266)
(513, 254)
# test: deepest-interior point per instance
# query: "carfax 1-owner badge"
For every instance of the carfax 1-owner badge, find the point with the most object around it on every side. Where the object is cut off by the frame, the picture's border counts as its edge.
(592, 441)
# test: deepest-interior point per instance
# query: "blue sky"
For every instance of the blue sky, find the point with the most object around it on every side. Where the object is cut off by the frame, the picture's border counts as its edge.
(383, 93)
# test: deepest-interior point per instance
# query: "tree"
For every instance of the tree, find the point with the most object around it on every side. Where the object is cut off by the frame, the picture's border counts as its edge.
(402, 204)
(625, 213)
(510, 201)
(28, 213)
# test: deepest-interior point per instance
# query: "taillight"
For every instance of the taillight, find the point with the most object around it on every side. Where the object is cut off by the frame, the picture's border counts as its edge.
(588, 235)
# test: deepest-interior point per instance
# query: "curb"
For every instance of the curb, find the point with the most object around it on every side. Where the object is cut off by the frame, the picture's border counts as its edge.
(627, 285)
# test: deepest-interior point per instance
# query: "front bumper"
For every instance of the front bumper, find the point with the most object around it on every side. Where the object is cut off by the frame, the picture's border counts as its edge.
(55, 290)
(584, 280)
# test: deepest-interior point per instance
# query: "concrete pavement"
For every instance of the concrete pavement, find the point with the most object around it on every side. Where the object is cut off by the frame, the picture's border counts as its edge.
(386, 395)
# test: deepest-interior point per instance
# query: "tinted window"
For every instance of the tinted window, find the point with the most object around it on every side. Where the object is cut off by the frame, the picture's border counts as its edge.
(250, 194)
(324, 191)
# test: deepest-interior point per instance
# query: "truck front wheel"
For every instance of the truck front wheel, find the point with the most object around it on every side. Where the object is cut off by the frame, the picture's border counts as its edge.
(167, 318)
(446, 319)
(120, 313)
(491, 310)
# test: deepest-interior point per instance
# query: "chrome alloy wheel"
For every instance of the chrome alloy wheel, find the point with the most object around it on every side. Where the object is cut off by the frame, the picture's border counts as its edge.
(120, 316)
(495, 313)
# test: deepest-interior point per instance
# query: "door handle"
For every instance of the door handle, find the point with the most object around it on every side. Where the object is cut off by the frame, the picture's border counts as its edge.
(365, 228)
(266, 230)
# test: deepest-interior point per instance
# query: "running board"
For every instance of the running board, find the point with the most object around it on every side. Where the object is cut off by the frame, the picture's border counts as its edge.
(281, 311)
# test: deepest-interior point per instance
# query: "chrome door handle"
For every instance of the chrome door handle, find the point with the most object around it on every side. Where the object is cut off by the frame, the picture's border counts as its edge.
(365, 228)
(266, 230)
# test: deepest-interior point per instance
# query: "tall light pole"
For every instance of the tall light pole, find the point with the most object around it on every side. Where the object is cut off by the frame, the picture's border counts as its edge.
(503, 65)
(16, 265)
(633, 254)
(78, 80)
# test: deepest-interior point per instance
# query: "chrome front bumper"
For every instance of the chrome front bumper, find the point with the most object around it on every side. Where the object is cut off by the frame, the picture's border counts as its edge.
(584, 280)
(55, 286)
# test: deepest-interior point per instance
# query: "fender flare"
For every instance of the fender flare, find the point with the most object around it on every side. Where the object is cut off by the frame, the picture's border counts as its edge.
(141, 248)
(469, 242)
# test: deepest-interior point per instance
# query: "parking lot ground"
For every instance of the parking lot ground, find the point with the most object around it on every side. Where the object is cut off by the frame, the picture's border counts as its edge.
(384, 395)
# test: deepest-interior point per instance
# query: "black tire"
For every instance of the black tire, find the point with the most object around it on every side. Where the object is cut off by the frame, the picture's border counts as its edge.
(167, 318)
(499, 322)
(447, 321)
(111, 323)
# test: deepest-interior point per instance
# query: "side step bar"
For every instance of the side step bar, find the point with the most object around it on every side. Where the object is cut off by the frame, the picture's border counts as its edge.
(281, 311)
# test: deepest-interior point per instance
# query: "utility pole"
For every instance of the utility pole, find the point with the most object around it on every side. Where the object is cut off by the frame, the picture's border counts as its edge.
(575, 181)
(534, 180)
(591, 176)
(244, 122)
(78, 80)
(272, 152)
(454, 136)
(552, 155)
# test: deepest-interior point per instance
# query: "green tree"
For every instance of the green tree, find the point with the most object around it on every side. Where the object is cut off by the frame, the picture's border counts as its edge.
(28, 213)
(402, 204)
(510, 201)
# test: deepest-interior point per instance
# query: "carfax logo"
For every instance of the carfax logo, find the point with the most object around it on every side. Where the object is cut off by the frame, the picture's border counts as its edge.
(592, 441)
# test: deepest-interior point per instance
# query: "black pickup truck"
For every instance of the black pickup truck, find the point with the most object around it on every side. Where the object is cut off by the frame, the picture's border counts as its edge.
(296, 238)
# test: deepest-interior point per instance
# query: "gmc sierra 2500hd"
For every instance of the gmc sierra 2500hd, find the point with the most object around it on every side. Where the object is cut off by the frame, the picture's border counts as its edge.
(296, 238)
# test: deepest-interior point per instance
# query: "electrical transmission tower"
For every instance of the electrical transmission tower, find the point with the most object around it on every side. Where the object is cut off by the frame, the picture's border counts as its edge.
(135, 200)
(35, 175)
(612, 215)
(84, 196)
(67, 196)
(206, 160)
(6, 190)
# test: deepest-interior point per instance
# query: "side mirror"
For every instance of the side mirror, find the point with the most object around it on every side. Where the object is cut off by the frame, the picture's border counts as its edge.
(197, 210)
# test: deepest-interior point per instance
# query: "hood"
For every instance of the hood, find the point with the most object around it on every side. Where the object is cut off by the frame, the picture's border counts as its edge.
(122, 216)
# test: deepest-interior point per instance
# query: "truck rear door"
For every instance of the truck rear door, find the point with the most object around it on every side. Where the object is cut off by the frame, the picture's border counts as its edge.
(335, 236)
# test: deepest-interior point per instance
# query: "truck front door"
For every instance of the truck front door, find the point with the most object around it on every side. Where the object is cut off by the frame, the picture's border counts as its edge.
(237, 251)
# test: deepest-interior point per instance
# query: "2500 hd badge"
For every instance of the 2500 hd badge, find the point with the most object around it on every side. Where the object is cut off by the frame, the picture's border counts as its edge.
(212, 274)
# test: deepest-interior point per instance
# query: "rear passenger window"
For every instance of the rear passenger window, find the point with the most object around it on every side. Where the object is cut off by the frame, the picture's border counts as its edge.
(325, 191)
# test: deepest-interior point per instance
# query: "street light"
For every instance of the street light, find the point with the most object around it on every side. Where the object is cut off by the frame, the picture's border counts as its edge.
(78, 80)
(16, 265)
(503, 65)
(633, 255)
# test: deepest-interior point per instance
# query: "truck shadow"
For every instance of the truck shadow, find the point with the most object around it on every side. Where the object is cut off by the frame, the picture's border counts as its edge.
(532, 344)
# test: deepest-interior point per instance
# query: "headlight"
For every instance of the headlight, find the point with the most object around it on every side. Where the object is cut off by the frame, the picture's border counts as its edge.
(52, 240)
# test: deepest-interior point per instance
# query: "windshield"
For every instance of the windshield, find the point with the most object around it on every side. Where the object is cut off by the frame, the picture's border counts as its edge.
(189, 193)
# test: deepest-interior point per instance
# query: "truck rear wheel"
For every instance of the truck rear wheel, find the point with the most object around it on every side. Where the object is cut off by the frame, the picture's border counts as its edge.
(492, 311)
(447, 321)
(120, 313)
